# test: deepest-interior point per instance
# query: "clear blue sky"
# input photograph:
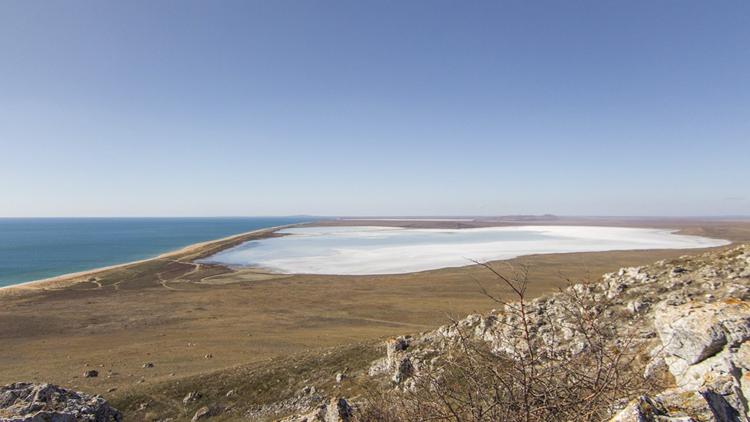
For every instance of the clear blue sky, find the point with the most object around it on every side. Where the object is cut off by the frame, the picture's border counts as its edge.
(161, 108)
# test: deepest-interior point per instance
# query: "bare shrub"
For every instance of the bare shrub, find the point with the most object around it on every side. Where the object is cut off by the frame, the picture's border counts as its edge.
(574, 364)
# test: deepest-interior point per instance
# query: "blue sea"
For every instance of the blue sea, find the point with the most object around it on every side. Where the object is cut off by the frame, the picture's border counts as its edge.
(36, 248)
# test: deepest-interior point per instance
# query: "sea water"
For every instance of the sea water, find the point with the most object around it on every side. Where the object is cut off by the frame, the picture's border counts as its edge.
(36, 248)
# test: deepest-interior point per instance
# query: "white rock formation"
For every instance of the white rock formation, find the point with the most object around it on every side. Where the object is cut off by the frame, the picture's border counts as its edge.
(706, 347)
(26, 402)
(693, 313)
(336, 410)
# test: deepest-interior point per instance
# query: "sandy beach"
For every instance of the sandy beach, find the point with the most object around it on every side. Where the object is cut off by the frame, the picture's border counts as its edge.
(199, 249)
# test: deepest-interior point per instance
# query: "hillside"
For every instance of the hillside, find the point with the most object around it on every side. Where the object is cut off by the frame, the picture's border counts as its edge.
(666, 340)
(672, 337)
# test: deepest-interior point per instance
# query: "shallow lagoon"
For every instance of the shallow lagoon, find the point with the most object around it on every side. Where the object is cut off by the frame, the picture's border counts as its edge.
(391, 250)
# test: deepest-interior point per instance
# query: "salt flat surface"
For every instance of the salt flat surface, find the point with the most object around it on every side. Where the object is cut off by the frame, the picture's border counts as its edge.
(392, 250)
(407, 219)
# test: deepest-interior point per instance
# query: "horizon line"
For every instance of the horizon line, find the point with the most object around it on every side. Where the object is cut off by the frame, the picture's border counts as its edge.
(390, 216)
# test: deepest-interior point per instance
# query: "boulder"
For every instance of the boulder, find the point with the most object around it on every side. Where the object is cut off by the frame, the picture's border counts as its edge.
(396, 361)
(204, 412)
(404, 369)
(338, 410)
(692, 312)
(707, 349)
(677, 405)
(642, 409)
(191, 397)
(27, 402)
(701, 338)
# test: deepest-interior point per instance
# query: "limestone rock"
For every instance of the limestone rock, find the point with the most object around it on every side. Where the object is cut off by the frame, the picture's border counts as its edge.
(696, 331)
(396, 362)
(693, 312)
(27, 402)
(316, 415)
(642, 409)
(677, 405)
(336, 410)
(707, 349)
(204, 412)
(637, 306)
(191, 397)
(404, 369)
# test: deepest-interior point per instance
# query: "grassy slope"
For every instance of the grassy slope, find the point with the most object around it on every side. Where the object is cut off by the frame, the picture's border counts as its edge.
(170, 312)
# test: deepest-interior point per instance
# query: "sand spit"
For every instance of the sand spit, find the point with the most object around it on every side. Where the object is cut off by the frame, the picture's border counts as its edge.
(196, 249)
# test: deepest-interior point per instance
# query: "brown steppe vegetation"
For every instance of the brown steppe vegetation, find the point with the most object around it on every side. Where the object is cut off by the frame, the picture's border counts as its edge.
(210, 328)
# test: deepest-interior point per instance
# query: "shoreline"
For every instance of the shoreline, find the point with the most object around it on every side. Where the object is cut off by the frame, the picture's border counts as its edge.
(382, 259)
(174, 314)
(191, 248)
(196, 248)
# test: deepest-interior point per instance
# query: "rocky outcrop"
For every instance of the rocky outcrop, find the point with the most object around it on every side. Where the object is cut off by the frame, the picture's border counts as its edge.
(700, 339)
(706, 347)
(26, 402)
(396, 362)
(308, 405)
(336, 410)
(685, 322)
(690, 316)
(204, 412)
(191, 397)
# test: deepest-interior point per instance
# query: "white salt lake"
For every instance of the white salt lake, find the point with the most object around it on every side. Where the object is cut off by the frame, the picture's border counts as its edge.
(391, 250)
